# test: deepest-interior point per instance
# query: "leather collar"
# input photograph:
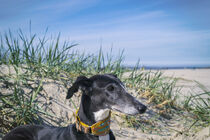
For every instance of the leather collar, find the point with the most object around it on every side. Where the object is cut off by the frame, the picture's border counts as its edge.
(99, 128)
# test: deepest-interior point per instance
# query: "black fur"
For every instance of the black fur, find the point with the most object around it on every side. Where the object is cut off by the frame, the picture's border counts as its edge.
(82, 82)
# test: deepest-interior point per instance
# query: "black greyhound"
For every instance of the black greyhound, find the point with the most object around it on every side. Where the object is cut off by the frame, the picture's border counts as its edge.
(100, 94)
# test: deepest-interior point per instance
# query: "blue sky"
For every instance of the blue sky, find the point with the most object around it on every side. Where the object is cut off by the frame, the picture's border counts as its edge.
(158, 32)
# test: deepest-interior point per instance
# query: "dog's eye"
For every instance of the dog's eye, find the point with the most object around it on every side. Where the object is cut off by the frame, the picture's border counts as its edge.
(110, 88)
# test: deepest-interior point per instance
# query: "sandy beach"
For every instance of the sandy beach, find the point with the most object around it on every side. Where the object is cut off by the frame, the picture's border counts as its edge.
(190, 76)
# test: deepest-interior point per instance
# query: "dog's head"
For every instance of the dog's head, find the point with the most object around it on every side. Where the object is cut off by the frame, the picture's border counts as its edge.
(107, 92)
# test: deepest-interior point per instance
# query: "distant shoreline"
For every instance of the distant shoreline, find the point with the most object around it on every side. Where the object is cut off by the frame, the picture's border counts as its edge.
(168, 67)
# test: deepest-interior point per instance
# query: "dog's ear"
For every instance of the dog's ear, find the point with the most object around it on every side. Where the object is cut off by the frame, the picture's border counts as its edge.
(82, 82)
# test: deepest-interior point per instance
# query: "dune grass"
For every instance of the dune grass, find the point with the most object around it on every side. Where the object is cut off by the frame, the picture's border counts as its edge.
(199, 106)
(33, 59)
(18, 106)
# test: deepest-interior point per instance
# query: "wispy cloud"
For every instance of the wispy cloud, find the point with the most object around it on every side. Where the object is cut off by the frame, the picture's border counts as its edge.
(65, 6)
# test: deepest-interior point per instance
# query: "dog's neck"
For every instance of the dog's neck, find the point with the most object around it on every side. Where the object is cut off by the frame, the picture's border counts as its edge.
(101, 114)
(86, 110)
(89, 114)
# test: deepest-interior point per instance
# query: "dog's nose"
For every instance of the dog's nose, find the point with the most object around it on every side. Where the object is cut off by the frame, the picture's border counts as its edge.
(142, 109)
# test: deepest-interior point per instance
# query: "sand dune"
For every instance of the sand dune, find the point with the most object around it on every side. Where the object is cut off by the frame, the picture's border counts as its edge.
(53, 101)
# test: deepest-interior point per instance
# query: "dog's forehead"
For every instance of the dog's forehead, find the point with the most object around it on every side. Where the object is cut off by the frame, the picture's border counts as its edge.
(106, 79)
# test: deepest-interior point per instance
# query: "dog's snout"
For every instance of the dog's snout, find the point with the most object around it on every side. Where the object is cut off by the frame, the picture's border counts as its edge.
(142, 109)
